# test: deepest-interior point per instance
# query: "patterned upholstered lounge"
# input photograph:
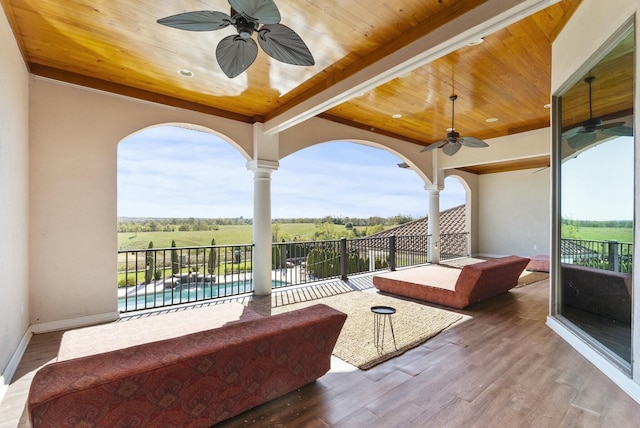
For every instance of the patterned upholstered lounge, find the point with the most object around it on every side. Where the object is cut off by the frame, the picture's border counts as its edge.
(449, 286)
(144, 373)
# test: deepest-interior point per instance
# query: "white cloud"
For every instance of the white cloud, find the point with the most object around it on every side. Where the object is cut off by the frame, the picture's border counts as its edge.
(175, 172)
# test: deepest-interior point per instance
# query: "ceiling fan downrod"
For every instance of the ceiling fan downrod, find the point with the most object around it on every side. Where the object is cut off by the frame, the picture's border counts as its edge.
(453, 99)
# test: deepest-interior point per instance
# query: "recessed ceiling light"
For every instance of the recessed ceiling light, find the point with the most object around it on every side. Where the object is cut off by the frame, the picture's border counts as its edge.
(491, 119)
(397, 116)
(185, 73)
(547, 106)
(476, 42)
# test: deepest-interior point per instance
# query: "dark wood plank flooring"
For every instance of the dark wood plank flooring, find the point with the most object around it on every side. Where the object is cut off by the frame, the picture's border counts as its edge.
(501, 367)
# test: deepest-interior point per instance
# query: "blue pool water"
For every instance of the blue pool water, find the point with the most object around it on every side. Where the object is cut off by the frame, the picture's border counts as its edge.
(186, 294)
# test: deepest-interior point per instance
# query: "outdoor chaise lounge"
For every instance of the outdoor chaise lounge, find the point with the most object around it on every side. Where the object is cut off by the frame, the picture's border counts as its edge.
(449, 286)
(189, 368)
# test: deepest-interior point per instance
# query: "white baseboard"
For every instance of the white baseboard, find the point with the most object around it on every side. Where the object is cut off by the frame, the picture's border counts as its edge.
(607, 368)
(491, 256)
(75, 322)
(14, 361)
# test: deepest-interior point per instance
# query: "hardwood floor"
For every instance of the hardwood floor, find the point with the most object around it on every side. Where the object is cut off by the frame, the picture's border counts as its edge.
(502, 367)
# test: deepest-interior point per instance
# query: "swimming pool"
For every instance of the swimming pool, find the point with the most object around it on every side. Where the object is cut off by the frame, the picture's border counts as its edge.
(186, 293)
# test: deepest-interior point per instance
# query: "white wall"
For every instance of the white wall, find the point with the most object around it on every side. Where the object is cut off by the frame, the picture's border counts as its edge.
(73, 187)
(14, 200)
(513, 213)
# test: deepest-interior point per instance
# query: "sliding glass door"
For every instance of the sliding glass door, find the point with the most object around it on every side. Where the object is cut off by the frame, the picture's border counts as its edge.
(594, 154)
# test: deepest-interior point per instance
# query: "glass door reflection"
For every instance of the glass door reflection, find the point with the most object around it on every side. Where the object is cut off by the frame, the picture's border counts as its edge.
(596, 189)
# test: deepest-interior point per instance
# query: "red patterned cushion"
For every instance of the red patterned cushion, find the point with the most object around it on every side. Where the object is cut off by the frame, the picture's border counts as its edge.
(194, 380)
(452, 287)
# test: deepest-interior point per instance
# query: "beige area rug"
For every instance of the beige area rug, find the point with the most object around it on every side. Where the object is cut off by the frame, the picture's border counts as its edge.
(530, 277)
(413, 324)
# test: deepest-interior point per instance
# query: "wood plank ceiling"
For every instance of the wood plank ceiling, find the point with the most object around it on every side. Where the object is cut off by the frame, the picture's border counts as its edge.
(117, 46)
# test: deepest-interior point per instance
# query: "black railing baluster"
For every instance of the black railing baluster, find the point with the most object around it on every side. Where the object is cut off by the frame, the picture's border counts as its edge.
(344, 259)
(605, 255)
(392, 252)
(301, 262)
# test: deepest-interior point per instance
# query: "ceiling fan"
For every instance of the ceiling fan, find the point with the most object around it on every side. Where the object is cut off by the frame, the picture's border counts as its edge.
(582, 135)
(453, 141)
(237, 52)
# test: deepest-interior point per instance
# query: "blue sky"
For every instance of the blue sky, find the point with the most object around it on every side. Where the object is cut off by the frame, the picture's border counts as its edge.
(175, 172)
(598, 183)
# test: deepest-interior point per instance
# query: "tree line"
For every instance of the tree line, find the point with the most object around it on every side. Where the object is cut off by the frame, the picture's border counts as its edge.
(136, 224)
(627, 224)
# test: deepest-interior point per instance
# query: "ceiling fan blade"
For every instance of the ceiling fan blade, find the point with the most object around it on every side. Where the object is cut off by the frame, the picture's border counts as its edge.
(235, 54)
(620, 131)
(202, 20)
(434, 146)
(263, 11)
(610, 125)
(451, 149)
(282, 43)
(581, 140)
(472, 142)
(573, 131)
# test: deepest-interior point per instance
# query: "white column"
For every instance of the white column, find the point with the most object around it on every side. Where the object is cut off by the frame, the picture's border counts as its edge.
(433, 225)
(262, 225)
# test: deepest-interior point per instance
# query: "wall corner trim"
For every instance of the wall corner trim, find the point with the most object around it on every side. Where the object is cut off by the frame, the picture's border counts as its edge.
(14, 361)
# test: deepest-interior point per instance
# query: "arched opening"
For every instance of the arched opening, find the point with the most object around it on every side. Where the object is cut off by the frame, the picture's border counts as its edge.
(177, 186)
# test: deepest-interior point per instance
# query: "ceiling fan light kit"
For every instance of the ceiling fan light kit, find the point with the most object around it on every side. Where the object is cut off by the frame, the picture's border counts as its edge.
(587, 133)
(453, 141)
(237, 52)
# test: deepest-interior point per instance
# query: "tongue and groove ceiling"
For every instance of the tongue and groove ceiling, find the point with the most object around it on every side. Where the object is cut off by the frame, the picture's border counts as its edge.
(360, 77)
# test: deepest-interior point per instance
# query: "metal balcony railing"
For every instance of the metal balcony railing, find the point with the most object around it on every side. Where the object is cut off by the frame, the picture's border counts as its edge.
(153, 278)
(607, 255)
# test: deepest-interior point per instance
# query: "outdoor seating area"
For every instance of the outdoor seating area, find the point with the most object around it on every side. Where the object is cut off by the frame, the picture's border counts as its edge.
(502, 377)
(320, 214)
(453, 287)
(148, 372)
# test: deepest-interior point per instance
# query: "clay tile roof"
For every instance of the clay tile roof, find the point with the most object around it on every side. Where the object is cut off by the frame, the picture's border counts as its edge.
(452, 233)
(451, 221)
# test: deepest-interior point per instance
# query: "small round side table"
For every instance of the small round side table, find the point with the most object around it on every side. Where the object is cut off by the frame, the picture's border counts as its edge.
(380, 316)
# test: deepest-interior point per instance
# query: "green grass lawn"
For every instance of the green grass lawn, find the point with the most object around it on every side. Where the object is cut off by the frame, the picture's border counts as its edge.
(242, 234)
(225, 235)
(619, 234)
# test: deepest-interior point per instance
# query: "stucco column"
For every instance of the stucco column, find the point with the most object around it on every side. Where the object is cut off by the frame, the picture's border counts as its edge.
(262, 225)
(433, 225)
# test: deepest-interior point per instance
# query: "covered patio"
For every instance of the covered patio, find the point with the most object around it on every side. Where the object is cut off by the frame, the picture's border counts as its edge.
(78, 77)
